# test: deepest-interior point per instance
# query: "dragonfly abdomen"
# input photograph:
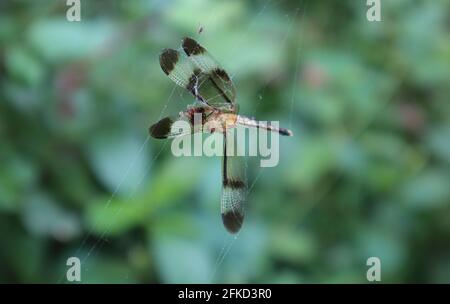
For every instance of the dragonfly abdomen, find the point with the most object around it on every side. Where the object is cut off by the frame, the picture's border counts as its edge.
(248, 122)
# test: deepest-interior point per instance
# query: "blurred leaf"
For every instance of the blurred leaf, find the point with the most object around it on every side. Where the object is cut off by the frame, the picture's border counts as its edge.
(247, 255)
(181, 260)
(119, 160)
(106, 269)
(439, 142)
(42, 216)
(22, 255)
(16, 178)
(23, 66)
(428, 190)
(120, 214)
(58, 40)
(294, 247)
(314, 159)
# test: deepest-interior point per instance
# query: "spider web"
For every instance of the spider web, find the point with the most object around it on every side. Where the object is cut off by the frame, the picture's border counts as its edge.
(230, 240)
(102, 238)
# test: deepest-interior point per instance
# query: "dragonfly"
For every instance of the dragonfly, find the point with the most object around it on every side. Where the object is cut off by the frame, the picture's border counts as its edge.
(194, 69)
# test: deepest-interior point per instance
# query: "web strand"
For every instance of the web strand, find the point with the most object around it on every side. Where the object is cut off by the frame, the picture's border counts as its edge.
(228, 245)
(117, 188)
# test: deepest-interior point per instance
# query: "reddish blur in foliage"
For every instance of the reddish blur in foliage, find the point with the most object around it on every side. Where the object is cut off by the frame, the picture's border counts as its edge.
(411, 117)
(314, 75)
(68, 81)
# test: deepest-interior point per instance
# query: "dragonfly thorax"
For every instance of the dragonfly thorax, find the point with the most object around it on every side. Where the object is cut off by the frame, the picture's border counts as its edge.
(209, 120)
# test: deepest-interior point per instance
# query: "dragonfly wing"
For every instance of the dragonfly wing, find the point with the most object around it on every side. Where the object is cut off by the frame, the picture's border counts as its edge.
(187, 122)
(234, 190)
(177, 67)
(183, 71)
(216, 78)
(165, 128)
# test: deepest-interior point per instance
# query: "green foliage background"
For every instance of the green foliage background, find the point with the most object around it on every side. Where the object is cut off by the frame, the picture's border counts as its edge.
(366, 174)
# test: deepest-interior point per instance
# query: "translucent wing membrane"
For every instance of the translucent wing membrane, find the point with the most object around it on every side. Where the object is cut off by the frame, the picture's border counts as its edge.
(179, 68)
(200, 74)
(234, 189)
(218, 77)
(200, 55)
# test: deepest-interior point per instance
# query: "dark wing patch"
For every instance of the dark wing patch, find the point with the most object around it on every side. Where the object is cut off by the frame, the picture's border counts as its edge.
(233, 221)
(222, 74)
(168, 59)
(162, 128)
(233, 184)
(191, 47)
(170, 127)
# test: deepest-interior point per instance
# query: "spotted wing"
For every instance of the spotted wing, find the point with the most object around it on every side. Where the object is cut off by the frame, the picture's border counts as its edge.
(234, 189)
(187, 122)
(217, 78)
(178, 68)
(186, 74)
